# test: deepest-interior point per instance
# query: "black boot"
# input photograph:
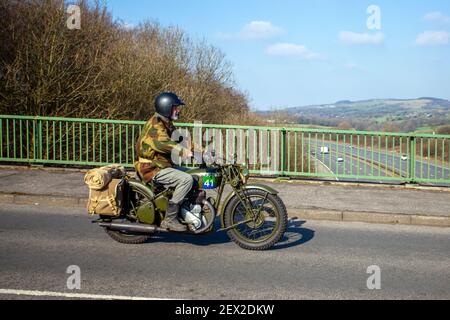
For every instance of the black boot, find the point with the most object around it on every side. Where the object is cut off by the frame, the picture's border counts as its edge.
(171, 222)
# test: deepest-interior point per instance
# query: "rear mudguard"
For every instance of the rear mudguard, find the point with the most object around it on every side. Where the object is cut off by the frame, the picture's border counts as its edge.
(246, 187)
(137, 185)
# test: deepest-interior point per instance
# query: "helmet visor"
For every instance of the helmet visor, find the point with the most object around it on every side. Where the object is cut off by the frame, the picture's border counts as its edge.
(178, 102)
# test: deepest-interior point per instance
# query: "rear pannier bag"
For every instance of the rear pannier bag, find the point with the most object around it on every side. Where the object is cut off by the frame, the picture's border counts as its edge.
(108, 201)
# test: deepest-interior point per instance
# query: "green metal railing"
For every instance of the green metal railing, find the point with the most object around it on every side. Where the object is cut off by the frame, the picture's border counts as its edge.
(290, 152)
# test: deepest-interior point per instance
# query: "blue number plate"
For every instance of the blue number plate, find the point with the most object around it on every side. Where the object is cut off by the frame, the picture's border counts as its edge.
(209, 182)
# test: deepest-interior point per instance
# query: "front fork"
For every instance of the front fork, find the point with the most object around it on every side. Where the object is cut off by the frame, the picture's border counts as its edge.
(250, 212)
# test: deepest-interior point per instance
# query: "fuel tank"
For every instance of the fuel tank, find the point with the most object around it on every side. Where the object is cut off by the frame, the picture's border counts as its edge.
(207, 178)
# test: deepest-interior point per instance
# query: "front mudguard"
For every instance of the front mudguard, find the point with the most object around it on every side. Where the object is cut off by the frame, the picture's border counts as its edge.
(263, 187)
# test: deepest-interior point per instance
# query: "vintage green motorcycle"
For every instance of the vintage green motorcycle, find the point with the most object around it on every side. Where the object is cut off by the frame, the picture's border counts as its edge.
(253, 215)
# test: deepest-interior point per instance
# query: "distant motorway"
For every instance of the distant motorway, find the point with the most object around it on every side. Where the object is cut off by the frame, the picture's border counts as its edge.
(346, 159)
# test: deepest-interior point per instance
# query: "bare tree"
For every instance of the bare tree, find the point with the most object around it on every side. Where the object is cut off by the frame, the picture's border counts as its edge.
(107, 70)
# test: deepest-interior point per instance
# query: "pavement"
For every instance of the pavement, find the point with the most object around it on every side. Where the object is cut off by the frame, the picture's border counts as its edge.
(314, 260)
(338, 201)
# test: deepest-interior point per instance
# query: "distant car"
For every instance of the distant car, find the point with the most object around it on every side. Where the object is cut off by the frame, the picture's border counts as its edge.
(340, 159)
(324, 150)
(404, 158)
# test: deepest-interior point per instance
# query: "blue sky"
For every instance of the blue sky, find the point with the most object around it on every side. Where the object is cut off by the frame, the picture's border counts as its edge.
(291, 52)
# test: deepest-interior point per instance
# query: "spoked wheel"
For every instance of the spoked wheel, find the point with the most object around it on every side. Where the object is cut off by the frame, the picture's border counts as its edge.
(127, 238)
(261, 228)
(138, 198)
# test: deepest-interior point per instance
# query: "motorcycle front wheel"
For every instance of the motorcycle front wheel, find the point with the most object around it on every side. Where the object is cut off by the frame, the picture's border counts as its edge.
(261, 228)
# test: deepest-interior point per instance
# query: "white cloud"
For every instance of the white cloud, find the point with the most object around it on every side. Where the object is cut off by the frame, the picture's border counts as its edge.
(430, 38)
(255, 30)
(437, 16)
(260, 30)
(290, 49)
(349, 37)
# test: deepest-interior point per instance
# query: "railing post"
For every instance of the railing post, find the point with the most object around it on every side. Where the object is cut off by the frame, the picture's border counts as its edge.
(1, 138)
(40, 140)
(33, 141)
(283, 152)
(412, 159)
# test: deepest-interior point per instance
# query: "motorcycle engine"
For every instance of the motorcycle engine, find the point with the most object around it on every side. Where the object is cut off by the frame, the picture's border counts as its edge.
(191, 210)
(200, 197)
(193, 216)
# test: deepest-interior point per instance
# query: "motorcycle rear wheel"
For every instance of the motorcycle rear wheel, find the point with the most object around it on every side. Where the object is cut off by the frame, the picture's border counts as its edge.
(270, 225)
(138, 198)
(126, 238)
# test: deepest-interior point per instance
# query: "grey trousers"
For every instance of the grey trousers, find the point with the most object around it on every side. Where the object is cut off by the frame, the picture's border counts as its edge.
(181, 181)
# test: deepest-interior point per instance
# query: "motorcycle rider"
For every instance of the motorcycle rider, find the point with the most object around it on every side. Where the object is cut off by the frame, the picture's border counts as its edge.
(154, 148)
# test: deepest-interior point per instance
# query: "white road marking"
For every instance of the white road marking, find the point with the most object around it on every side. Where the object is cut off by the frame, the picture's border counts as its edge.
(36, 293)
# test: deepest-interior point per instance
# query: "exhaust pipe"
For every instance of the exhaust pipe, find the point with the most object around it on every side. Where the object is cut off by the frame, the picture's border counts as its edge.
(146, 228)
(132, 227)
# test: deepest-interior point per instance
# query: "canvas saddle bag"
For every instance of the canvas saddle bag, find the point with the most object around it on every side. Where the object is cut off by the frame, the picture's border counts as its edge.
(108, 201)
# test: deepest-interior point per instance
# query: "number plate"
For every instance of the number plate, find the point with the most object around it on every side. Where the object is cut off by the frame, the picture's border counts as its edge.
(209, 182)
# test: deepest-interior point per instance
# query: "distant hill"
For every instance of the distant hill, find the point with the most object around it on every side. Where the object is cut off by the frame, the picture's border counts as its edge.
(408, 114)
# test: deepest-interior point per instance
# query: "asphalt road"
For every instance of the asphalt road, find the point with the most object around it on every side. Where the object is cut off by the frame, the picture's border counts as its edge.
(349, 166)
(315, 260)
(374, 163)
(394, 163)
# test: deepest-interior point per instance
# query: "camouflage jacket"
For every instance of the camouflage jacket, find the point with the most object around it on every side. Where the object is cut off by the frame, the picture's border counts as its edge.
(154, 146)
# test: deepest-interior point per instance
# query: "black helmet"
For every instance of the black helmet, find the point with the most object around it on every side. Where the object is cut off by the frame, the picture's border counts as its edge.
(164, 103)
